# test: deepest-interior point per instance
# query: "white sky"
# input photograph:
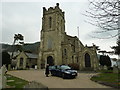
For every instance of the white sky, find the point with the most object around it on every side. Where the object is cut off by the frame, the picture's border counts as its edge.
(25, 17)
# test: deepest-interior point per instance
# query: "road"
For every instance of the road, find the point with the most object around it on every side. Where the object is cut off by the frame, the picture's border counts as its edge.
(82, 80)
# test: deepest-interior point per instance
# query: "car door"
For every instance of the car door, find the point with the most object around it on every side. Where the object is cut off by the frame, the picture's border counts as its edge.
(55, 71)
(60, 71)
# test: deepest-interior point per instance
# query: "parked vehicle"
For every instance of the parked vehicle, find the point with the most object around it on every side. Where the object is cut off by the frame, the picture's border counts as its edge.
(63, 71)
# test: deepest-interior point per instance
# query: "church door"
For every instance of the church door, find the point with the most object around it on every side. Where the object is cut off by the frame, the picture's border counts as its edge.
(21, 63)
(50, 60)
(87, 60)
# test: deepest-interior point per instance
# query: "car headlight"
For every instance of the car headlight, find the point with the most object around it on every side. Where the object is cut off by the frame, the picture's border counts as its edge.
(67, 72)
(76, 71)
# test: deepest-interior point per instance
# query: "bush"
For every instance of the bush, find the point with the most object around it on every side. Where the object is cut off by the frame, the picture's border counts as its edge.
(5, 58)
(105, 60)
(74, 66)
(110, 68)
(21, 68)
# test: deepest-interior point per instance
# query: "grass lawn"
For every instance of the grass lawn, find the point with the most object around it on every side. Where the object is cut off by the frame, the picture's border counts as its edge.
(108, 78)
(14, 82)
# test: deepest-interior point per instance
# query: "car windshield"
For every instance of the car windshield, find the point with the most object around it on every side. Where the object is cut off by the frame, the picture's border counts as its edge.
(65, 67)
(51, 67)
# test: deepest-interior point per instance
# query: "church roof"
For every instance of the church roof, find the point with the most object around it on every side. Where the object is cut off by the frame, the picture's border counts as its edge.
(31, 55)
(73, 38)
(14, 53)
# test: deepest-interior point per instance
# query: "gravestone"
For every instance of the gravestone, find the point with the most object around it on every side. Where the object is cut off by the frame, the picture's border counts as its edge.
(100, 67)
(35, 67)
(115, 69)
(9, 67)
(35, 85)
(105, 67)
(3, 79)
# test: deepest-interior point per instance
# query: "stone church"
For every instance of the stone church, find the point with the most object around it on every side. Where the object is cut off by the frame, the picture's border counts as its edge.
(59, 48)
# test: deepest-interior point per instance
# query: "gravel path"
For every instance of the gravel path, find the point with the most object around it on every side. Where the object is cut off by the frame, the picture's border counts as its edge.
(82, 81)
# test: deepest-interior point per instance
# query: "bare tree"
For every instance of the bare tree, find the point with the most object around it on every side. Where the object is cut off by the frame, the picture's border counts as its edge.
(105, 14)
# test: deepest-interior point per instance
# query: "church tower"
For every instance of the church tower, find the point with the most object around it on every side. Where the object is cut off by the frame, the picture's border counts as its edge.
(52, 35)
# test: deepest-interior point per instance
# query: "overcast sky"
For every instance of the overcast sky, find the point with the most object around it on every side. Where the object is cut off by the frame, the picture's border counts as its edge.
(26, 18)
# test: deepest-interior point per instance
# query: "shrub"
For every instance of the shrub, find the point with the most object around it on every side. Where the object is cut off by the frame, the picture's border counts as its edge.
(110, 68)
(105, 60)
(74, 66)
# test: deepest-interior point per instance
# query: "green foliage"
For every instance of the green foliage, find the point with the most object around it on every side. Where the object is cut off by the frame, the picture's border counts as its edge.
(18, 37)
(30, 47)
(105, 60)
(106, 71)
(108, 78)
(17, 83)
(5, 58)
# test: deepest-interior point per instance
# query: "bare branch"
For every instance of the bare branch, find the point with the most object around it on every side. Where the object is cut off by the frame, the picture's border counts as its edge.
(108, 37)
(105, 15)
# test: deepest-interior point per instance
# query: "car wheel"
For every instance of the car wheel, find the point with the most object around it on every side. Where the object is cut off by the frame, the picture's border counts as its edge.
(63, 75)
(52, 74)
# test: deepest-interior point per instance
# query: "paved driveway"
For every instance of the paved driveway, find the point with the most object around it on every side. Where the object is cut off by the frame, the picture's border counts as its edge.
(82, 81)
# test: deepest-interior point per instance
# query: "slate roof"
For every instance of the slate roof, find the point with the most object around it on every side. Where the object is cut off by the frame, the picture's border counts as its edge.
(31, 55)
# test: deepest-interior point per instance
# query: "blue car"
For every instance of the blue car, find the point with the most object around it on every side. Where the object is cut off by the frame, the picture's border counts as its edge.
(63, 71)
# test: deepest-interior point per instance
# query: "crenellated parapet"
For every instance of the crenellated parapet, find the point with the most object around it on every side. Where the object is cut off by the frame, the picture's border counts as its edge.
(58, 48)
(52, 10)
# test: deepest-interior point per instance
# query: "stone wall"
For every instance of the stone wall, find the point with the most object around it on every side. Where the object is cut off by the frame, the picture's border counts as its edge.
(55, 42)
(21, 55)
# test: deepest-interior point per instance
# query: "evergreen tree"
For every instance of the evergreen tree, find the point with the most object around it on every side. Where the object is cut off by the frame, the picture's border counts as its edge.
(105, 60)
(5, 58)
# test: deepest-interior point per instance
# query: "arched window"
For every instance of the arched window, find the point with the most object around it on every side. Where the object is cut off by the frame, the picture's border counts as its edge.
(21, 61)
(65, 52)
(87, 60)
(50, 22)
(77, 59)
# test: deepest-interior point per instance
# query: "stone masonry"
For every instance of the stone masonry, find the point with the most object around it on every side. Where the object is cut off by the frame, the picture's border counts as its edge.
(59, 48)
